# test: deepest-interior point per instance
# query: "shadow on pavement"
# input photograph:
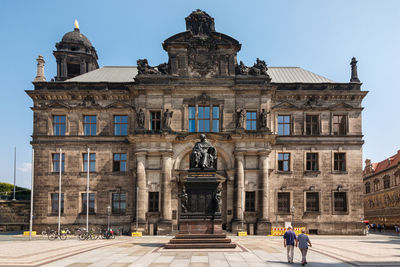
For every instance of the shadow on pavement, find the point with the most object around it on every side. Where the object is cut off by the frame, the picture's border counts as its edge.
(149, 244)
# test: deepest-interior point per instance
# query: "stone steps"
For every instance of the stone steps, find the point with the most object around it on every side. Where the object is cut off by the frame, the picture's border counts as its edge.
(199, 236)
(205, 240)
(200, 241)
(200, 246)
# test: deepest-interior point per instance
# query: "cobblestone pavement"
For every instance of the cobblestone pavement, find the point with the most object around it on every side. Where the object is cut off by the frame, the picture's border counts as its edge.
(335, 251)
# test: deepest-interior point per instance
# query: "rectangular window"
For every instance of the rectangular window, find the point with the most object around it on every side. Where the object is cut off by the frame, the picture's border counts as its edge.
(119, 162)
(250, 201)
(54, 203)
(284, 202)
(192, 119)
(312, 162)
(251, 120)
(121, 125)
(284, 122)
(312, 125)
(92, 163)
(339, 125)
(204, 119)
(340, 201)
(89, 125)
(118, 203)
(56, 162)
(339, 162)
(215, 120)
(312, 201)
(91, 202)
(59, 125)
(153, 201)
(155, 121)
(284, 162)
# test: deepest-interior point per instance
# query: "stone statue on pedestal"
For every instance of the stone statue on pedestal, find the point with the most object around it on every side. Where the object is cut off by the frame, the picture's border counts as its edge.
(204, 155)
(167, 118)
(184, 200)
(263, 119)
(241, 119)
(218, 201)
(140, 118)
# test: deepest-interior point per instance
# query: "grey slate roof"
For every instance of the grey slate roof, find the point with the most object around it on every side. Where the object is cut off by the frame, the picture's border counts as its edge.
(126, 74)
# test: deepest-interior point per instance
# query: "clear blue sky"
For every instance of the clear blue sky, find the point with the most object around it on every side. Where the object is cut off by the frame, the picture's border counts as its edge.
(320, 36)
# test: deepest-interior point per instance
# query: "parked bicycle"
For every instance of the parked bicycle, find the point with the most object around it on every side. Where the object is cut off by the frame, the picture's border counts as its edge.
(88, 235)
(62, 235)
(107, 234)
(47, 231)
(79, 231)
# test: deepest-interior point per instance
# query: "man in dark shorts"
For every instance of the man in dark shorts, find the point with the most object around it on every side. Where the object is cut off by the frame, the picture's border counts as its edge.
(288, 242)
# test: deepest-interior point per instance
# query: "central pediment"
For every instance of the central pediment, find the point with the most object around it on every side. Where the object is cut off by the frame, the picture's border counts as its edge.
(200, 51)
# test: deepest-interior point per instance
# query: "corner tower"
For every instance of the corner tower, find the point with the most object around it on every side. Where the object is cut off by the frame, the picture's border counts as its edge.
(75, 55)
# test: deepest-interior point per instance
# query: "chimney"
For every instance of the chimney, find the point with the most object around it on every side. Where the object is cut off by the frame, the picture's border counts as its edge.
(354, 75)
(40, 70)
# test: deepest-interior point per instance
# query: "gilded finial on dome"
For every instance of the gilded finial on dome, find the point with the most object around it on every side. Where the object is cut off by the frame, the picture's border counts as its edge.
(76, 25)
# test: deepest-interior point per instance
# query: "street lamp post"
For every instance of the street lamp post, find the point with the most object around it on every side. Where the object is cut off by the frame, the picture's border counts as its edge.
(292, 210)
(108, 217)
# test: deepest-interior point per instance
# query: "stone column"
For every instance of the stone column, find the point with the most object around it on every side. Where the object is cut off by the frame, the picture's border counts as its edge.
(166, 213)
(141, 183)
(263, 223)
(265, 186)
(240, 186)
(64, 70)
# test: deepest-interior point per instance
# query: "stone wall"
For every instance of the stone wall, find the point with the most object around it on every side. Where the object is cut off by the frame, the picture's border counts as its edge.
(14, 215)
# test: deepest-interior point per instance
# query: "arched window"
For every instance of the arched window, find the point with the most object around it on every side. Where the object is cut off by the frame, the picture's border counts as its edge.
(367, 188)
(386, 181)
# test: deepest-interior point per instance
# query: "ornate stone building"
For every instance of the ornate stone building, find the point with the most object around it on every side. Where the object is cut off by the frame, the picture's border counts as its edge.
(382, 191)
(289, 142)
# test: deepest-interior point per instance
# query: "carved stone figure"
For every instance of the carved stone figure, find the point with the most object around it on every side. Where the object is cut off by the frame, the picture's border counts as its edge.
(262, 66)
(204, 155)
(241, 119)
(242, 69)
(259, 68)
(184, 200)
(167, 118)
(218, 201)
(163, 68)
(200, 23)
(140, 118)
(144, 67)
(263, 118)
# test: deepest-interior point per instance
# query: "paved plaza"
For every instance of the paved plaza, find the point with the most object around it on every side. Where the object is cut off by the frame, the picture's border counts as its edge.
(254, 251)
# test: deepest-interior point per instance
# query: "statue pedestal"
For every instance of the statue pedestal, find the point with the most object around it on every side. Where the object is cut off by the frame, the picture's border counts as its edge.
(200, 225)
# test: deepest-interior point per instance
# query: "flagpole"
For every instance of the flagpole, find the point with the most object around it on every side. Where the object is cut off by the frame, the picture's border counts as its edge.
(15, 170)
(87, 190)
(32, 177)
(59, 193)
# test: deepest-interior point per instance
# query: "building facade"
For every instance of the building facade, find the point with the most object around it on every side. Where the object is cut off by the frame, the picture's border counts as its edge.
(289, 142)
(382, 191)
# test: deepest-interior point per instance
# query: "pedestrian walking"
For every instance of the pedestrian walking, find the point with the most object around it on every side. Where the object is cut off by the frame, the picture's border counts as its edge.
(379, 227)
(302, 242)
(288, 242)
(397, 229)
